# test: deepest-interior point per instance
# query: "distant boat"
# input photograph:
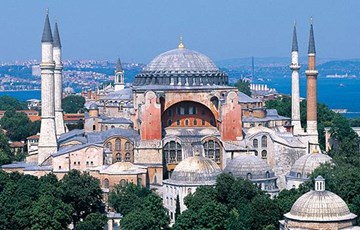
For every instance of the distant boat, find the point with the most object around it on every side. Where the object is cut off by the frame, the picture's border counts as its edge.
(341, 85)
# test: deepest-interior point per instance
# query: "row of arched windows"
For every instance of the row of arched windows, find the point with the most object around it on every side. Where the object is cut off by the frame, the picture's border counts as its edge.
(173, 151)
(263, 154)
(126, 159)
(263, 142)
(118, 145)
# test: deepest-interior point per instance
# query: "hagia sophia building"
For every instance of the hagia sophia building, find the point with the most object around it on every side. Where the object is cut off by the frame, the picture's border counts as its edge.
(176, 127)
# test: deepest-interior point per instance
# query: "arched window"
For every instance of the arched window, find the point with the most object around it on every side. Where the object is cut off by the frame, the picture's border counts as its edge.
(118, 157)
(127, 157)
(264, 141)
(202, 122)
(106, 183)
(155, 179)
(256, 153)
(169, 122)
(139, 181)
(212, 150)
(249, 176)
(215, 102)
(109, 146)
(172, 152)
(123, 183)
(263, 154)
(267, 174)
(195, 122)
(298, 175)
(127, 145)
(117, 144)
(255, 143)
(186, 122)
(112, 126)
(189, 190)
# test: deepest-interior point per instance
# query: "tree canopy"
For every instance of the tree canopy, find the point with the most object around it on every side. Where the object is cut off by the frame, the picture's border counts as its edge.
(18, 126)
(243, 86)
(142, 209)
(10, 103)
(28, 202)
(73, 104)
(230, 204)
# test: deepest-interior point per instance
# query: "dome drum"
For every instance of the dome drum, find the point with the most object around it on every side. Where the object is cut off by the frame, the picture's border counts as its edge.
(182, 67)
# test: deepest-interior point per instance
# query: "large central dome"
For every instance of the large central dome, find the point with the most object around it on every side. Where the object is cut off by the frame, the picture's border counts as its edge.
(181, 67)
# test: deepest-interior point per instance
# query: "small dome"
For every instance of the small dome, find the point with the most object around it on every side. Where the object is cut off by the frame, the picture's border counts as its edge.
(249, 167)
(306, 164)
(69, 90)
(122, 168)
(196, 170)
(320, 205)
(181, 66)
(93, 106)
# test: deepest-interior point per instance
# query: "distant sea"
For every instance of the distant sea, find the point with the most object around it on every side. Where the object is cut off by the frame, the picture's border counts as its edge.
(337, 93)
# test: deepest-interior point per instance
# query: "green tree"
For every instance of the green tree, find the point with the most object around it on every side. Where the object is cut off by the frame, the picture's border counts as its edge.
(18, 125)
(50, 213)
(138, 219)
(94, 221)
(243, 86)
(128, 198)
(73, 104)
(177, 208)
(83, 193)
(10, 103)
(234, 222)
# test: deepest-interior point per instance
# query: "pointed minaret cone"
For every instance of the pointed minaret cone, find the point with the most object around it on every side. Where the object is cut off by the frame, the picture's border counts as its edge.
(295, 91)
(119, 76)
(59, 117)
(311, 74)
(47, 141)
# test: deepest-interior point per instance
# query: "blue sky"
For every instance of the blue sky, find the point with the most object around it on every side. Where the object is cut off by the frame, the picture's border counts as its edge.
(139, 30)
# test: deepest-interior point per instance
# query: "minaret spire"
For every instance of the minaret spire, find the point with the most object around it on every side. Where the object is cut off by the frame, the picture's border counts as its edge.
(295, 89)
(295, 43)
(59, 116)
(311, 74)
(47, 36)
(311, 39)
(119, 76)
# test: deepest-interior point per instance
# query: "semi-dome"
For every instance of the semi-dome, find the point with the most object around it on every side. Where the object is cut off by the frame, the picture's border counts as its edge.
(306, 164)
(181, 67)
(320, 205)
(93, 106)
(249, 167)
(196, 170)
(123, 168)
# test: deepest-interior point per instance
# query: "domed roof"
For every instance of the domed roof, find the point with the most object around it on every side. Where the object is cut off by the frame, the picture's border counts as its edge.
(123, 168)
(69, 90)
(320, 205)
(181, 66)
(196, 170)
(306, 164)
(93, 106)
(249, 167)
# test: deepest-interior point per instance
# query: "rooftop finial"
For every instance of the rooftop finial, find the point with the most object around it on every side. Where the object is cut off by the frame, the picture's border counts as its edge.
(47, 11)
(319, 184)
(311, 20)
(181, 44)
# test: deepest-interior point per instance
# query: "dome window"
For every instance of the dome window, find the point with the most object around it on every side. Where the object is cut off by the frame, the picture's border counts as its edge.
(118, 157)
(117, 144)
(106, 183)
(256, 143)
(212, 150)
(172, 152)
(264, 154)
(249, 176)
(264, 141)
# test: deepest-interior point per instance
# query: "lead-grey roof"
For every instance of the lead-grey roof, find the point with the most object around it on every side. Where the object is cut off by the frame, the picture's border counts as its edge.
(243, 98)
(47, 35)
(242, 165)
(120, 95)
(182, 67)
(56, 38)
(70, 135)
(100, 137)
(118, 120)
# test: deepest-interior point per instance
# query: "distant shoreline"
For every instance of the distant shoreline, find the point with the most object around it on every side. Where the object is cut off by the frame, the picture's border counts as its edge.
(14, 90)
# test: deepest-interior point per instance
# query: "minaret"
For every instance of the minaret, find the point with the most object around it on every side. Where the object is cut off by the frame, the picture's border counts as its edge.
(59, 117)
(47, 141)
(119, 76)
(295, 94)
(311, 74)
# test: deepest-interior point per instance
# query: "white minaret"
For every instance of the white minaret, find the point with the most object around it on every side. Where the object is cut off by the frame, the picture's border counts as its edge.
(295, 91)
(59, 117)
(119, 77)
(47, 141)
